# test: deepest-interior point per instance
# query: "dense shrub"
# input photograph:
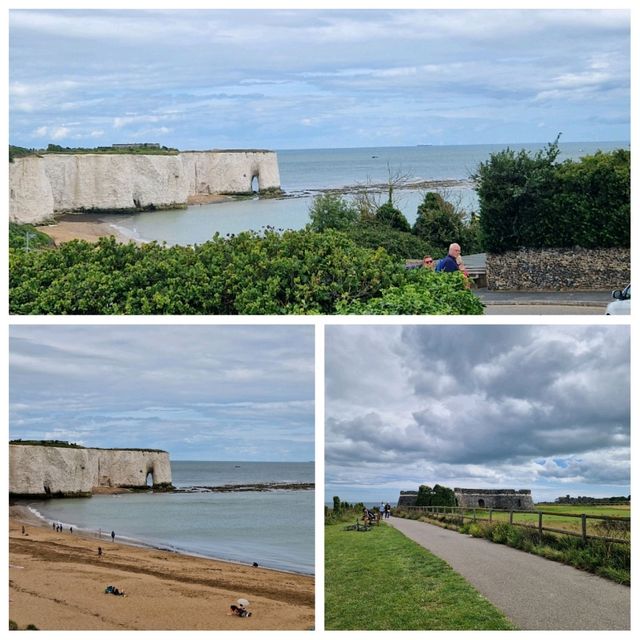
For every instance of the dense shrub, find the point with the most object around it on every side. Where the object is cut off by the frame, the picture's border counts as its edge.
(23, 236)
(438, 221)
(532, 201)
(400, 244)
(296, 272)
(330, 211)
(391, 217)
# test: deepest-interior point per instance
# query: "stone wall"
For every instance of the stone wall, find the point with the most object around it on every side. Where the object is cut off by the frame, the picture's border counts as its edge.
(407, 498)
(494, 498)
(559, 269)
(46, 471)
(41, 186)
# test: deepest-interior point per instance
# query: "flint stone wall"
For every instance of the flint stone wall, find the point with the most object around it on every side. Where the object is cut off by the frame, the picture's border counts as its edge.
(45, 471)
(494, 498)
(574, 269)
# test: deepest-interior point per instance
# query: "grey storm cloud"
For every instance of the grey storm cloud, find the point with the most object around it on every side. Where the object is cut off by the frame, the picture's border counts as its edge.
(552, 402)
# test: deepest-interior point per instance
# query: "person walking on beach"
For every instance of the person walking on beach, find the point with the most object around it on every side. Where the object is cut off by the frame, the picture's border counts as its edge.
(113, 536)
(99, 551)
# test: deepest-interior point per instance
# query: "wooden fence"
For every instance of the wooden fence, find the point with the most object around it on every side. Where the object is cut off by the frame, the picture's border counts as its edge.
(475, 515)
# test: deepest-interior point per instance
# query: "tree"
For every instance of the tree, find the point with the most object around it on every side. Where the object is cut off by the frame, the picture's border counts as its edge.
(336, 503)
(438, 222)
(439, 496)
(388, 215)
(330, 211)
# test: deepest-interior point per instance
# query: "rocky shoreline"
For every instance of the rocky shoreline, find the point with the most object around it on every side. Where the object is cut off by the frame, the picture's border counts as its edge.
(266, 486)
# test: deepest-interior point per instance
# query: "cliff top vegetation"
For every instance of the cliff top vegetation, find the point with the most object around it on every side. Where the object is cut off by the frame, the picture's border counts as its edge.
(139, 149)
(73, 445)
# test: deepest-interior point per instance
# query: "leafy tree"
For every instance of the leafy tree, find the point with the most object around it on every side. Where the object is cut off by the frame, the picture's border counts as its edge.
(330, 211)
(438, 222)
(391, 217)
(533, 201)
(438, 496)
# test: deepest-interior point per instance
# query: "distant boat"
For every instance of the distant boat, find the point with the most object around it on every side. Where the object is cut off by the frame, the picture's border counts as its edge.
(374, 156)
(424, 145)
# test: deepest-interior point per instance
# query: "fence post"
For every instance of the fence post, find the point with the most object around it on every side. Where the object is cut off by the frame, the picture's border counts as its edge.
(510, 517)
(584, 527)
(540, 523)
(490, 514)
(474, 515)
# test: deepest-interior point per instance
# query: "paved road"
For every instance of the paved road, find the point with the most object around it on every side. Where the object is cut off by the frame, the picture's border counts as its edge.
(534, 593)
(544, 302)
(541, 310)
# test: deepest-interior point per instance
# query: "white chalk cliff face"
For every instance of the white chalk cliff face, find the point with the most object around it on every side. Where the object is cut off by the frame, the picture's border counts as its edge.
(41, 186)
(42, 470)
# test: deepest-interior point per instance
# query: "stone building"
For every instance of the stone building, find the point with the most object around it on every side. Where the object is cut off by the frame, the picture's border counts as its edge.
(494, 498)
(480, 498)
(407, 498)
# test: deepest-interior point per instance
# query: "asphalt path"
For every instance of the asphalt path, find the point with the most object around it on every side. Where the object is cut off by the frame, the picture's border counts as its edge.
(534, 593)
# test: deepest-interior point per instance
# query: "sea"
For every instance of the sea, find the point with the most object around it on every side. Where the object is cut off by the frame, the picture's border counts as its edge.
(273, 528)
(305, 173)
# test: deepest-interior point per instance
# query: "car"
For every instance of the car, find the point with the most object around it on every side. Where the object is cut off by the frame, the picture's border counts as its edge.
(621, 305)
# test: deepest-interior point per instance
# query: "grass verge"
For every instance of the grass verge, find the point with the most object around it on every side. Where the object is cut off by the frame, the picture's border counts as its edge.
(381, 580)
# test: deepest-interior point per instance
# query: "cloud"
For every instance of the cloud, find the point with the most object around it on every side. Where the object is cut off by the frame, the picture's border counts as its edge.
(483, 404)
(494, 67)
(169, 387)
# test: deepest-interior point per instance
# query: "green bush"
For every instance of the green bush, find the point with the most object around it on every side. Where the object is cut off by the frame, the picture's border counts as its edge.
(399, 244)
(23, 236)
(393, 218)
(438, 222)
(533, 201)
(296, 272)
(330, 211)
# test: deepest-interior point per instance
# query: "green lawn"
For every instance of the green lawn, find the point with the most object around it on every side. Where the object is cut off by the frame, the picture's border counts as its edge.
(381, 580)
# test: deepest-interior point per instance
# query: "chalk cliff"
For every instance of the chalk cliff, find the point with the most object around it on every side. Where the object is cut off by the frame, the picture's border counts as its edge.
(62, 471)
(41, 186)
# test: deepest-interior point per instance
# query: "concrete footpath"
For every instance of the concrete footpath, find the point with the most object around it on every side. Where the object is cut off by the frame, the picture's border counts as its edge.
(544, 302)
(534, 593)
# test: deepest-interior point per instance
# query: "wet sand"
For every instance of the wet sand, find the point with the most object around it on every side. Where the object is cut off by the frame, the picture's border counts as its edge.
(57, 581)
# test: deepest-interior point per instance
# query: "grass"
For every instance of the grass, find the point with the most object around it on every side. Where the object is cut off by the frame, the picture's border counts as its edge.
(381, 580)
(564, 519)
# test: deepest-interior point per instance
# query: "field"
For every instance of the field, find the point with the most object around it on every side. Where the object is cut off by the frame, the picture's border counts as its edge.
(381, 580)
(565, 518)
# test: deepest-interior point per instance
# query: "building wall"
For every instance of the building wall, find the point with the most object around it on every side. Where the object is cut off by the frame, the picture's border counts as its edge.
(494, 498)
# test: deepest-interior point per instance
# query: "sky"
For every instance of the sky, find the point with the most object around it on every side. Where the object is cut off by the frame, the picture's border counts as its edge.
(295, 79)
(199, 392)
(538, 407)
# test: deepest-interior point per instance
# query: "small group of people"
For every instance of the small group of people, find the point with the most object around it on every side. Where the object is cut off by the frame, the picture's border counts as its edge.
(450, 263)
(385, 509)
(58, 527)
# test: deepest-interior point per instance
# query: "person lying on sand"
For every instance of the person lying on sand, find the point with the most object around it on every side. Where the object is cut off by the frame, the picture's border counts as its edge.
(114, 591)
(239, 611)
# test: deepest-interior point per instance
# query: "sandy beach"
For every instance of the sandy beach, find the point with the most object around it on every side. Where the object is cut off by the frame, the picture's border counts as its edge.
(57, 582)
(89, 227)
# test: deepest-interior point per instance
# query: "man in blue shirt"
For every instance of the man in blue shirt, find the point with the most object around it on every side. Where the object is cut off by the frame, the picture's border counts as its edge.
(450, 262)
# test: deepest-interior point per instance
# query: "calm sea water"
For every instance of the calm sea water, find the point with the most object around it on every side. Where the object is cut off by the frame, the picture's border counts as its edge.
(274, 529)
(304, 172)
